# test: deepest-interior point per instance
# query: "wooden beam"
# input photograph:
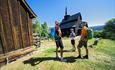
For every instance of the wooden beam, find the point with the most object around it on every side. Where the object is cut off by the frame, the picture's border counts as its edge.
(11, 25)
(6, 26)
(28, 29)
(21, 24)
(31, 37)
(2, 36)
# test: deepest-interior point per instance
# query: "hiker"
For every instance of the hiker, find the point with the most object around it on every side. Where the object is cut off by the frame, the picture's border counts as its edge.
(58, 40)
(83, 40)
(72, 37)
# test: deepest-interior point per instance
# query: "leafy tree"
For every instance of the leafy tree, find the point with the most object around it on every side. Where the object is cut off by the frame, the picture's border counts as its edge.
(45, 32)
(98, 34)
(109, 29)
(42, 29)
(37, 26)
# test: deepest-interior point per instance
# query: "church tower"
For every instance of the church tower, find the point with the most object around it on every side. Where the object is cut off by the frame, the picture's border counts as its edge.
(66, 14)
(65, 11)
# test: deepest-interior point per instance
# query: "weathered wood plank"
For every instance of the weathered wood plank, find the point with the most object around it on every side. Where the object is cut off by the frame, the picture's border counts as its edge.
(15, 28)
(31, 37)
(20, 20)
(15, 23)
(6, 25)
(3, 41)
(27, 33)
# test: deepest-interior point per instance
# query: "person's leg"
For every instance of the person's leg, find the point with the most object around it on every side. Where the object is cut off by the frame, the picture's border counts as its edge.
(61, 52)
(73, 45)
(57, 46)
(86, 56)
(61, 48)
(56, 51)
(86, 51)
(79, 51)
(86, 48)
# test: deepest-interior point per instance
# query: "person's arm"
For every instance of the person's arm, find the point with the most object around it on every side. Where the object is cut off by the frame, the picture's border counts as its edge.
(60, 33)
(74, 35)
(82, 36)
(70, 35)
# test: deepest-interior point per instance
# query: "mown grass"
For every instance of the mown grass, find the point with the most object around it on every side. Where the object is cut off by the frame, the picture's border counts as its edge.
(101, 57)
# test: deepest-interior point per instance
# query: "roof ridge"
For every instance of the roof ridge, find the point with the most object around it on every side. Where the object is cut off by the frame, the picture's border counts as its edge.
(28, 7)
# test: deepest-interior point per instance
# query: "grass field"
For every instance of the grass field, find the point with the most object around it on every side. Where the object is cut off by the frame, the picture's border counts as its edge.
(101, 57)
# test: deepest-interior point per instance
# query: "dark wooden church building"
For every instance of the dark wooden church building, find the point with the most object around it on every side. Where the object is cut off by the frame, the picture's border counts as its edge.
(15, 28)
(71, 21)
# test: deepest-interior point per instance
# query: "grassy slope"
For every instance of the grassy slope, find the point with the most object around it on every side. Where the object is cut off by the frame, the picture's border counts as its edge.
(101, 57)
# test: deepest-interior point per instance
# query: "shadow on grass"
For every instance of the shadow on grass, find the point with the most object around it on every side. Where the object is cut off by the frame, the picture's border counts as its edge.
(34, 61)
(65, 51)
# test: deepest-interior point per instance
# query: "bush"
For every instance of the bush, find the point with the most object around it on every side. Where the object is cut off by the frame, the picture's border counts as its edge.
(109, 29)
(98, 34)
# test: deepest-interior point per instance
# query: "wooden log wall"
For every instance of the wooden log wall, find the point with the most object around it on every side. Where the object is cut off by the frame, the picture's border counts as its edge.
(15, 25)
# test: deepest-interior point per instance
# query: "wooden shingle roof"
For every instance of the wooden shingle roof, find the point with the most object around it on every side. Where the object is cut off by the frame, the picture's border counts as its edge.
(70, 21)
(68, 25)
(72, 18)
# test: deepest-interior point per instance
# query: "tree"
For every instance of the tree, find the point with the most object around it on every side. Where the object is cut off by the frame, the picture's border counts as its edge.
(42, 29)
(109, 29)
(45, 32)
(36, 26)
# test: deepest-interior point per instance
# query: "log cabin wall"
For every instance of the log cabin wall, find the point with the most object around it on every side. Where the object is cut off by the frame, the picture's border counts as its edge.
(30, 31)
(15, 25)
(6, 31)
(24, 26)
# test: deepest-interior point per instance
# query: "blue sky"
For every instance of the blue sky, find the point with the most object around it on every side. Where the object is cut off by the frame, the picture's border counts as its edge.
(95, 12)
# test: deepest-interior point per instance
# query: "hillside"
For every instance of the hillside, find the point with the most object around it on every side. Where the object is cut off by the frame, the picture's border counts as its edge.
(97, 28)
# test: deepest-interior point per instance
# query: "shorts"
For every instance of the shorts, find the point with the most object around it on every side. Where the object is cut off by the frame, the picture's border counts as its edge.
(73, 42)
(82, 43)
(59, 43)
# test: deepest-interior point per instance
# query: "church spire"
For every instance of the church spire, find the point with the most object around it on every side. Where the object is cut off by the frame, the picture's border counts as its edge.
(66, 14)
(66, 11)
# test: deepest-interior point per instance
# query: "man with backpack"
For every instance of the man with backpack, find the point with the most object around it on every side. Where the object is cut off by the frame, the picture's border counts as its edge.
(83, 40)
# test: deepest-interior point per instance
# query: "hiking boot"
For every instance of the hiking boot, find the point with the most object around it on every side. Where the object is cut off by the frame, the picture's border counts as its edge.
(85, 57)
(78, 57)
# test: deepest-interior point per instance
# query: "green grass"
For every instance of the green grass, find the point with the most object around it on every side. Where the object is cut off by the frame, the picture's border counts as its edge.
(101, 57)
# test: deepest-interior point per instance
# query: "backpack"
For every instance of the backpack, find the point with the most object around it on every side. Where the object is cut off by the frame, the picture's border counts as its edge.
(90, 33)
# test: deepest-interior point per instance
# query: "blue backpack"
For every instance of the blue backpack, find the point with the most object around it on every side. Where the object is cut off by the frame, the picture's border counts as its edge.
(53, 33)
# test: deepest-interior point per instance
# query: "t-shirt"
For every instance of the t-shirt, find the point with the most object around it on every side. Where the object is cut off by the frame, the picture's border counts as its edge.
(72, 35)
(84, 33)
(58, 33)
